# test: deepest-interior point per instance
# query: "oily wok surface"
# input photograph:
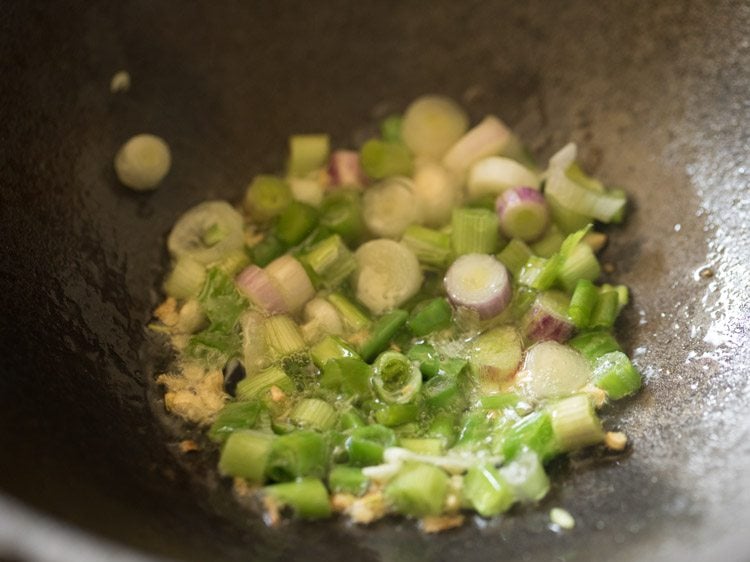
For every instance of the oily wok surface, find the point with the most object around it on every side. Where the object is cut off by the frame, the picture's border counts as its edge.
(654, 93)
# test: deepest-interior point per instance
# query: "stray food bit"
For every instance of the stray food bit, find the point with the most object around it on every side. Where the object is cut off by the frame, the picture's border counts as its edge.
(188, 446)
(615, 440)
(191, 318)
(368, 508)
(271, 511)
(608, 267)
(142, 162)
(120, 82)
(561, 518)
(597, 395)
(440, 523)
(277, 395)
(706, 273)
(341, 502)
(196, 395)
(595, 240)
(167, 312)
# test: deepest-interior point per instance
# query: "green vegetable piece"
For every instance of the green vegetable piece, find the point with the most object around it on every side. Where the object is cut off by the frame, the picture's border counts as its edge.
(394, 415)
(308, 153)
(474, 231)
(341, 212)
(314, 413)
(390, 128)
(431, 316)
(296, 222)
(582, 303)
(533, 432)
(245, 454)
(427, 358)
(266, 198)
(418, 490)
(330, 347)
(380, 159)
(381, 332)
(267, 250)
(254, 386)
(514, 256)
(307, 497)
(366, 444)
(432, 247)
(499, 401)
(615, 375)
(423, 446)
(487, 491)
(594, 344)
(349, 374)
(234, 417)
(297, 454)
(331, 261)
(396, 379)
(443, 427)
(443, 393)
(347, 480)
(605, 311)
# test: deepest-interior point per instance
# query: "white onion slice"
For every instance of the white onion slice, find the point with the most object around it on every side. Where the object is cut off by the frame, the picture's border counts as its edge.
(187, 237)
(489, 137)
(390, 207)
(495, 174)
(552, 370)
(292, 280)
(432, 124)
(387, 275)
(437, 192)
(479, 282)
(262, 290)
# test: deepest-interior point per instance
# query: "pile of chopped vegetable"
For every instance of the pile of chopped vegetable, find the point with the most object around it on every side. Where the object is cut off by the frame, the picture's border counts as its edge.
(412, 328)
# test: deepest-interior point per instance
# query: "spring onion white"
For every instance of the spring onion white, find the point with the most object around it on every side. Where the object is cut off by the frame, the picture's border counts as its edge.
(143, 162)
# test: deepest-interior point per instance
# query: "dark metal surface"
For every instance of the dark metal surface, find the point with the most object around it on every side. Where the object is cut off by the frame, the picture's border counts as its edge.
(656, 94)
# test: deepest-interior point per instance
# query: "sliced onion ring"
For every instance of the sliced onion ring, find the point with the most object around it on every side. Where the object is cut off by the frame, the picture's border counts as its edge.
(479, 282)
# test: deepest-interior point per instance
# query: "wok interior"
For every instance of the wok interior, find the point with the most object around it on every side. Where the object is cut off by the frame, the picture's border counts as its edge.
(654, 96)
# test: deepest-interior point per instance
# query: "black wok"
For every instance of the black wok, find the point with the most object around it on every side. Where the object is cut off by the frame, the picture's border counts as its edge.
(656, 93)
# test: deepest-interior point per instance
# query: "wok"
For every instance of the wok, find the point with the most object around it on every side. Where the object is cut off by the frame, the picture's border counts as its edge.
(656, 95)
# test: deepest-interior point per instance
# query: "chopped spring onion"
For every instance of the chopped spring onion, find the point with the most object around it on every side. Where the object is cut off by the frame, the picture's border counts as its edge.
(381, 159)
(143, 162)
(283, 336)
(292, 280)
(388, 275)
(255, 385)
(432, 247)
(490, 136)
(344, 169)
(547, 318)
(540, 273)
(330, 347)
(575, 423)
(365, 445)
(432, 124)
(526, 476)
(262, 290)
(431, 316)
(321, 319)
(549, 244)
(307, 153)
(496, 174)
(390, 128)
(515, 255)
(495, 356)
(523, 213)
(474, 231)
(615, 375)
(381, 332)
(186, 278)
(347, 480)
(533, 432)
(297, 454)
(436, 191)
(354, 319)
(605, 311)
(487, 491)
(389, 208)
(427, 357)
(394, 415)
(331, 261)
(313, 413)
(267, 250)
(341, 213)
(217, 218)
(307, 497)
(307, 190)
(349, 374)
(234, 417)
(443, 393)
(594, 344)
(266, 197)
(245, 454)
(582, 303)
(423, 445)
(396, 379)
(295, 222)
(479, 282)
(574, 197)
(418, 489)
(580, 264)
(552, 370)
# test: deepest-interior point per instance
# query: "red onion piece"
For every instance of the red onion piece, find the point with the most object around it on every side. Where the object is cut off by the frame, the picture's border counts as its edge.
(262, 290)
(523, 213)
(547, 319)
(344, 169)
(479, 282)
